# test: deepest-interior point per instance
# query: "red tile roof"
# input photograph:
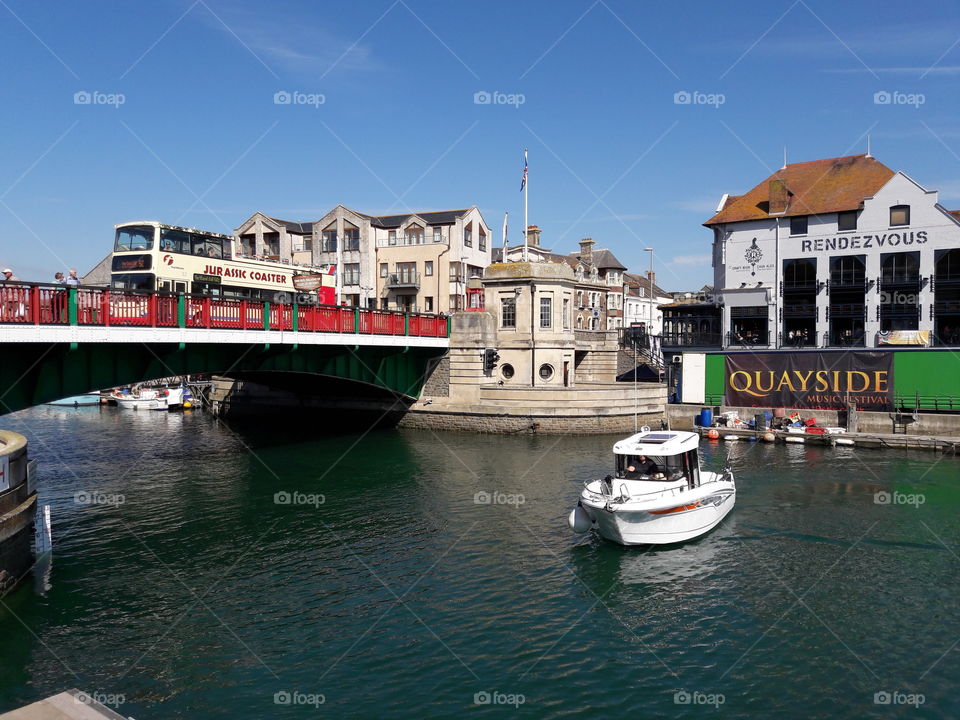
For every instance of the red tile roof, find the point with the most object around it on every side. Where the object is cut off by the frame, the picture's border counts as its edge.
(812, 188)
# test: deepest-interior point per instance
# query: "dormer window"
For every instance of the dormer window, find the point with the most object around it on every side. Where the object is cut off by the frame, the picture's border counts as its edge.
(798, 225)
(899, 215)
(847, 220)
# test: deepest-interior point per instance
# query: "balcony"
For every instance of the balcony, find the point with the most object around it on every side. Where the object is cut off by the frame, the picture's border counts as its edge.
(845, 338)
(951, 307)
(403, 281)
(847, 310)
(800, 309)
(899, 279)
(847, 281)
(691, 339)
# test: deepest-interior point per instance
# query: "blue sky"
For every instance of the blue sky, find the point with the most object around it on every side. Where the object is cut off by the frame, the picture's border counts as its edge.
(199, 139)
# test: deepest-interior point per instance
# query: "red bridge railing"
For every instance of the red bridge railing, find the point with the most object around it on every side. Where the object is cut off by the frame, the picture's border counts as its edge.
(32, 304)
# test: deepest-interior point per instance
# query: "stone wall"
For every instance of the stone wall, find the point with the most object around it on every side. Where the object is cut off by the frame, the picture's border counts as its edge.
(438, 379)
(426, 419)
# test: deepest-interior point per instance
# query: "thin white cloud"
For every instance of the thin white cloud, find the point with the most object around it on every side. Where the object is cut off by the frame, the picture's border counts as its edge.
(699, 205)
(903, 70)
(289, 43)
(948, 191)
(702, 259)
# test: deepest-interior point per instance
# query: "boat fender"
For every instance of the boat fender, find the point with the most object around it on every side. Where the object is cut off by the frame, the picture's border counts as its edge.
(579, 521)
(645, 428)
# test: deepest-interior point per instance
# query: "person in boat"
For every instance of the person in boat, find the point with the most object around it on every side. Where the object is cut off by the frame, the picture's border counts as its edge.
(640, 467)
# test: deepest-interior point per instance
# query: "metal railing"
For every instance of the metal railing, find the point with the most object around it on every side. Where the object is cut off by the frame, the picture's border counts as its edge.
(410, 278)
(29, 304)
(747, 339)
(691, 339)
(842, 339)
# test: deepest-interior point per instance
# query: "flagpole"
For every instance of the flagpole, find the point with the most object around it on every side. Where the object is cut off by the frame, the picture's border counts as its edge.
(526, 196)
(504, 236)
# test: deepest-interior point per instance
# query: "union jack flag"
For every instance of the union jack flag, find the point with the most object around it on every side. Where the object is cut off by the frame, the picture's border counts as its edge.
(523, 180)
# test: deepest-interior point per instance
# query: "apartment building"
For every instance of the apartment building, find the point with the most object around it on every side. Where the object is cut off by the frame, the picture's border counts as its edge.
(419, 262)
(598, 301)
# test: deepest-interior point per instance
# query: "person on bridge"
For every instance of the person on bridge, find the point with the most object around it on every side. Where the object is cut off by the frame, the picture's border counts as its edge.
(72, 280)
(12, 307)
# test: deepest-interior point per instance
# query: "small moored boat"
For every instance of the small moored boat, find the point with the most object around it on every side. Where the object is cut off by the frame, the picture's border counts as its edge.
(142, 400)
(87, 399)
(659, 494)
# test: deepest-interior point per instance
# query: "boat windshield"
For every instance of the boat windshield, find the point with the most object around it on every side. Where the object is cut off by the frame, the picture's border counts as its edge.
(645, 467)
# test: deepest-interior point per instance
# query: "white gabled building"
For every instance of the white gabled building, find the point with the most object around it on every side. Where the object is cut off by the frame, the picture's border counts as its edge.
(836, 253)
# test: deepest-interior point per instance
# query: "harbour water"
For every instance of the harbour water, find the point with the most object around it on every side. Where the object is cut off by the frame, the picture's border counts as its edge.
(204, 571)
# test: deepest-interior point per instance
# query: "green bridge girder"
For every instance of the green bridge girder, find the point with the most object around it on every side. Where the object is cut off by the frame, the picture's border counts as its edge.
(35, 373)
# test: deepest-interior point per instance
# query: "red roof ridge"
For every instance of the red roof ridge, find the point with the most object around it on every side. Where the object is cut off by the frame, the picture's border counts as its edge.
(811, 187)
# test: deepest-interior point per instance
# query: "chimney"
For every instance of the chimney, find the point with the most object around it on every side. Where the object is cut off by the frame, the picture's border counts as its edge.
(586, 252)
(533, 235)
(651, 277)
(778, 197)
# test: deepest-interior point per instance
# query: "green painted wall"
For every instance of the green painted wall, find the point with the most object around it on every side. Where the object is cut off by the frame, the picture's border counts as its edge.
(714, 379)
(933, 375)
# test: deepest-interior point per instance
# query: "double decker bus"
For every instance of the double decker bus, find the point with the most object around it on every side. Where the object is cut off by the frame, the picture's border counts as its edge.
(152, 256)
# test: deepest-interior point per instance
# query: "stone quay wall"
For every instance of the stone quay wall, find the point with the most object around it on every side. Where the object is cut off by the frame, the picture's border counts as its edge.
(504, 424)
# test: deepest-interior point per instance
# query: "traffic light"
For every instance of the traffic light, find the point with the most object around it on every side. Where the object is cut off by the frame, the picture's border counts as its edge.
(490, 359)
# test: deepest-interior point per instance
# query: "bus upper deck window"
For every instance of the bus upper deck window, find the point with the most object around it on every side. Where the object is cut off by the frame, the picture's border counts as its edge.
(175, 241)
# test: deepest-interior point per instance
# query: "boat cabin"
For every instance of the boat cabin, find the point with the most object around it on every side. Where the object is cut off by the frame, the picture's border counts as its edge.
(669, 456)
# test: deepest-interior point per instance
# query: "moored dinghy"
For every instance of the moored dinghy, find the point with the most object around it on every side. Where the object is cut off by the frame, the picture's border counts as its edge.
(659, 494)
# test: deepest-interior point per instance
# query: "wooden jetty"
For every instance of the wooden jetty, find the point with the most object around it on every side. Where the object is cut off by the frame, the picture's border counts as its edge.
(949, 445)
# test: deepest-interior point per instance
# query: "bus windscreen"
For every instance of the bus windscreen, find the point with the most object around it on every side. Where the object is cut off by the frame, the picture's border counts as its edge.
(134, 238)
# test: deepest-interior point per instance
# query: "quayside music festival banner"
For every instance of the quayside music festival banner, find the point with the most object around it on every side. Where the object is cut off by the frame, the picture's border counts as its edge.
(810, 380)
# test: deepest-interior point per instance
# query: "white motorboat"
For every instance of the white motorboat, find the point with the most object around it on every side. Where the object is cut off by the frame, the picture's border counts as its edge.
(659, 494)
(144, 399)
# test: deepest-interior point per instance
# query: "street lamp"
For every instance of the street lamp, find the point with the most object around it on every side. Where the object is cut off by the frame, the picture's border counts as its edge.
(650, 278)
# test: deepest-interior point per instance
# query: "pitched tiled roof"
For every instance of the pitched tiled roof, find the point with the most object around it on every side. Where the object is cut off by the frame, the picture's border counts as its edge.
(439, 217)
(632, 280)
(812, 188)
(302, 228)
(955, 213)
(602, 259)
